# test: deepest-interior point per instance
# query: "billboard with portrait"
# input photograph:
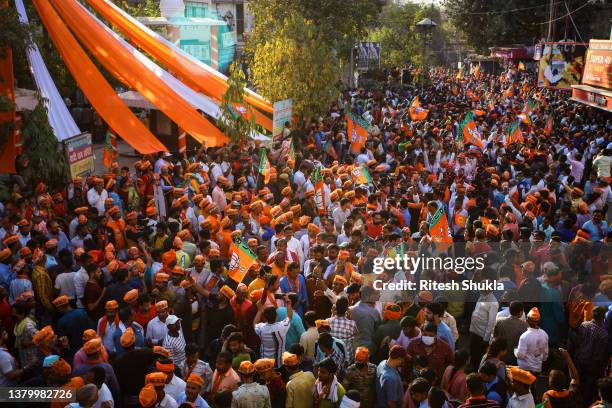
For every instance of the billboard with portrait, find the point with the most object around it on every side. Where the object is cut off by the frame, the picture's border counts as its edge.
(561, 64)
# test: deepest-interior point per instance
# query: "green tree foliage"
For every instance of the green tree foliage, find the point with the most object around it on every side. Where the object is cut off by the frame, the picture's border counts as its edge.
(142, 8)
(295, 62)
(233, 121)
(401, 42)
(13, 34)
(47, 162)
(340, 23)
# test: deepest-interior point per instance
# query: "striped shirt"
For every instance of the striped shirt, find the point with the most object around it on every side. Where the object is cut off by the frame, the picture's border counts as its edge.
(273, 337)
(176, 347)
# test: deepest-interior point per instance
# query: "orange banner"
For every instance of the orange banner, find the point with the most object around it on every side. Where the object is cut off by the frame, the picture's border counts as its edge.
(124, 66)
(95, 87)
(7, 149)
(195, 76)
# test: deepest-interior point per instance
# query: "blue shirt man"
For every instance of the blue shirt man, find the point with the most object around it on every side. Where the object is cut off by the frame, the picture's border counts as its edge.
(389, 387)
(6, 272)
(295, 329)
(138, 333)
(294, 282)
(597, 227)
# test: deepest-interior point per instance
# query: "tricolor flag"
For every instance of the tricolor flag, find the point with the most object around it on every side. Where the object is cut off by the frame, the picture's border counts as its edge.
(361, 175)
(416, 111)
(242, 258)
(357, 132)
(264, 166)
(110, 148)
(317, 180)
(438, 228)
(470, 133)
(549, 126)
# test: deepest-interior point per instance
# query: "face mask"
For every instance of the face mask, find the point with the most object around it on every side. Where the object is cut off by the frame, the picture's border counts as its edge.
(427, 340)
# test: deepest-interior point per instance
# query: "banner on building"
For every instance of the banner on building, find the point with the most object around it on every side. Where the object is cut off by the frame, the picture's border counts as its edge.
(561, 65)
(368, 55)
(598, 68)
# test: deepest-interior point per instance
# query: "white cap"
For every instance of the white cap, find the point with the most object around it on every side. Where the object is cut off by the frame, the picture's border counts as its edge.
(171, 319)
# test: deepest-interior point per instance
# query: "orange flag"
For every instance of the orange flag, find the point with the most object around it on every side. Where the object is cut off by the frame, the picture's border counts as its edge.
(416, 111)
(549, 126)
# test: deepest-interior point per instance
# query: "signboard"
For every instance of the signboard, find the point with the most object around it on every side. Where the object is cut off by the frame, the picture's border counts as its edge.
(368, 55)
(79, 153)
(598, 98)
(282, 111)
(561, 65)
(598, 67)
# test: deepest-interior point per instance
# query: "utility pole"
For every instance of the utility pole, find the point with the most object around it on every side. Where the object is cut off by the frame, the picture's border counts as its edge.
(551, 13)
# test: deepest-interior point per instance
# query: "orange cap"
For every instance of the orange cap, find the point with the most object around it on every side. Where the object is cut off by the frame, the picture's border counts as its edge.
(147, 396)
(196, 379)
(290, 359)
(92, 346)
(128, 338)
(362, 354)
(61, 301)
(130, 296)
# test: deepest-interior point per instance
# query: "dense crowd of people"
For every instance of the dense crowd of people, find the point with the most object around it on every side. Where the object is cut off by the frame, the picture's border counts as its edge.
(123, 286)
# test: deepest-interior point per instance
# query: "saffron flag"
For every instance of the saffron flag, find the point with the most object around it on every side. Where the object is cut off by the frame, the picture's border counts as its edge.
(479, 112)
(438, 227)
(264, 166)
(110, 149)
(521, 66)
(470, 133)
(549, 126)
(514, 134)
(509, 92)
(472, 95)
(459, 75)
(416, 111)
(317, 181)
(476, 71)
(242, 258)
(526, 112)
(361, 175)
(357, 131)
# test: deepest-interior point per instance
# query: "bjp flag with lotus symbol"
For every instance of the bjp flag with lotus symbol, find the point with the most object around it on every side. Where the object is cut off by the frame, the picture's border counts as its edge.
(470, 133)
(242, 258)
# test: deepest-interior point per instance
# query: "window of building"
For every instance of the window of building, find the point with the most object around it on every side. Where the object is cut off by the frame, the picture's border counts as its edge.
(196, 9)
